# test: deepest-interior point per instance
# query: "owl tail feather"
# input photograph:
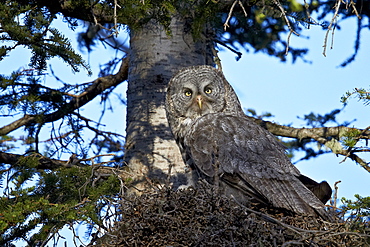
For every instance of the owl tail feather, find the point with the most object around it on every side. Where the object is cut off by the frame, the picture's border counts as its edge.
(237, 187)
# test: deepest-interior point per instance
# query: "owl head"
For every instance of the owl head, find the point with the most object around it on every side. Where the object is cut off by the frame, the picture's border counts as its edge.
(196, 91)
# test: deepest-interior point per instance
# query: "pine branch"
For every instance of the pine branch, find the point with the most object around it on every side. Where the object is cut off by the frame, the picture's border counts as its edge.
(96, 88)
(83, 10)
(44, 162)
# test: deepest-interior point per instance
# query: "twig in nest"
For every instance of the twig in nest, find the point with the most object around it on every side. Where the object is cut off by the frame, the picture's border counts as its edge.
(335, 197)
(276, 221)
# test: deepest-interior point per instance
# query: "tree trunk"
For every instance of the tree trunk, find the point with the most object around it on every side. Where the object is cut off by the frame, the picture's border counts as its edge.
(151, 153)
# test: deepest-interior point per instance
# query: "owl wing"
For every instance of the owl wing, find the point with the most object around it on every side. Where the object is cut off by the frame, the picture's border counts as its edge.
(249, 160)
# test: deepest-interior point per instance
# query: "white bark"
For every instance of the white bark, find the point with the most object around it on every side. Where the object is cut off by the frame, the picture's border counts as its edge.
(155, 56)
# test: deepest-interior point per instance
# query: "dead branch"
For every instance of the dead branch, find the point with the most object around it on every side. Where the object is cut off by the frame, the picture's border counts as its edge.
(334, 18)
(301, 133)
(278, 4)
(326, 136)
(337, 5)
(226, 25)
(44, 162)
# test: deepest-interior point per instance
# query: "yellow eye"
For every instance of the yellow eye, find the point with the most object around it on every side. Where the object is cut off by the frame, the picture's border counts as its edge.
(208, 90)
(188, 93)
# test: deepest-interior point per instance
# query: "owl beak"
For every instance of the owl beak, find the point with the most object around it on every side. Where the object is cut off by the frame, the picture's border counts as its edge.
(199, 101)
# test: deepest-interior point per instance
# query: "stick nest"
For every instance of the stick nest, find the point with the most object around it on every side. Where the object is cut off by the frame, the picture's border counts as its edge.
(202, 218)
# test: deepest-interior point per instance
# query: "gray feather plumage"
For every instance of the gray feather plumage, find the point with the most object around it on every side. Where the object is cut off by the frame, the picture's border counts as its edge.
(222, 144)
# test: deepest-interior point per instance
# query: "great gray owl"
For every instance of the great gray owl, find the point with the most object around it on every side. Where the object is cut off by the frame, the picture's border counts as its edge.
(223, 146)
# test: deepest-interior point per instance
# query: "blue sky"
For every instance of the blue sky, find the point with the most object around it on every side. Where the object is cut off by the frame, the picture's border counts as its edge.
(263, 83)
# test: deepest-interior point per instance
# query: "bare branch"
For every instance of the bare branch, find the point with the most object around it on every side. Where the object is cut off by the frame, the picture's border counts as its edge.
(115, 17)
(337, 6)
(288, 43)
(322, 135)
(300, 133)
(226, 25)
(291, 30)
(353, 5)
(354, 157)
(239, 54)
(285, 17)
